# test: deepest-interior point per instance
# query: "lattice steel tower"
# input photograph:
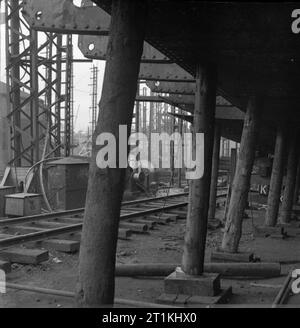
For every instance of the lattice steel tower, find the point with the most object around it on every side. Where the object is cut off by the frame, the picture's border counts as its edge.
(39, 87)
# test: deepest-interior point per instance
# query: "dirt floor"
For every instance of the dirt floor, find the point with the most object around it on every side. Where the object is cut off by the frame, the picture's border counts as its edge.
(161, 245)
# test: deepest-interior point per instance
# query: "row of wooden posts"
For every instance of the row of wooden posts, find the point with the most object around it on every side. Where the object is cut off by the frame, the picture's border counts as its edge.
(105, 187)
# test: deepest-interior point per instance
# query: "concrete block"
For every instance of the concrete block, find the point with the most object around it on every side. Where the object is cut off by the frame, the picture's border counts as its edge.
(124, 233)
(5, 266)
(151, 224)
(204, 285)
(22, 204)
(61, 245)
(191, 301)
(24, 255)
(5, 190)
(134, 227)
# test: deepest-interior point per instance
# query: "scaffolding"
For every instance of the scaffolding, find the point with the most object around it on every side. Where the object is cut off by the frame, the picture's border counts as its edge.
(94, 94)
(39, 88)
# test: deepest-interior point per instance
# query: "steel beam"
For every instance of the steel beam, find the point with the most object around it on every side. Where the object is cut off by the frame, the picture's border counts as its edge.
(62, 16)
(94, 47)
(89, 21)
(182, 88)
(187, 103)
(165, 72)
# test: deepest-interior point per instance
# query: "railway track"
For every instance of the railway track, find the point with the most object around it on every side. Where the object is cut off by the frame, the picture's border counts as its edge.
(137, 216)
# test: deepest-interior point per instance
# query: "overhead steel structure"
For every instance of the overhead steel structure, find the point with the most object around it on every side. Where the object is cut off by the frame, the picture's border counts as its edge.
(246, 53)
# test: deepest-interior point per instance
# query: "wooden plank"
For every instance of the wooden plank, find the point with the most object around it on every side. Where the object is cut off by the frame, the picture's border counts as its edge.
(24, 255)
(150, 223)
(61, 245)
(134, 227)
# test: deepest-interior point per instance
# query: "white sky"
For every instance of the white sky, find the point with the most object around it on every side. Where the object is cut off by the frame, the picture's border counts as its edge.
(82, 90)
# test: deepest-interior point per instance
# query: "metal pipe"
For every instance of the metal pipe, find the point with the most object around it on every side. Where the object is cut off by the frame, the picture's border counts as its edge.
(225, 269)
(69, 294)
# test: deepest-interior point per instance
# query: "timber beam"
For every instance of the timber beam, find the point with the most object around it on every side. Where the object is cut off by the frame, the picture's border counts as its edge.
(196, 222)
(288, 194)
(276, 179)
(214, 173)
(105, 188)
(241, 181)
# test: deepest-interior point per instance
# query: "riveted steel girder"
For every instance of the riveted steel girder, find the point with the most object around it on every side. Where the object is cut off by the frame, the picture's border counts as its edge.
(62, 16)
(94, 47)
(89, 21)
(182, 88)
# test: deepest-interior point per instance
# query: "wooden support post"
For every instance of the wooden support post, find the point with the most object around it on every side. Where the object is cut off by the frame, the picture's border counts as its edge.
(105, 187)
(288, 194)
(241, 182)
(151, 114)
(196, 223)
(172, 148)
(214, 173)
(180, 122)
(297, 184)
(233, 160)
(137, 110)
(276, 180)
